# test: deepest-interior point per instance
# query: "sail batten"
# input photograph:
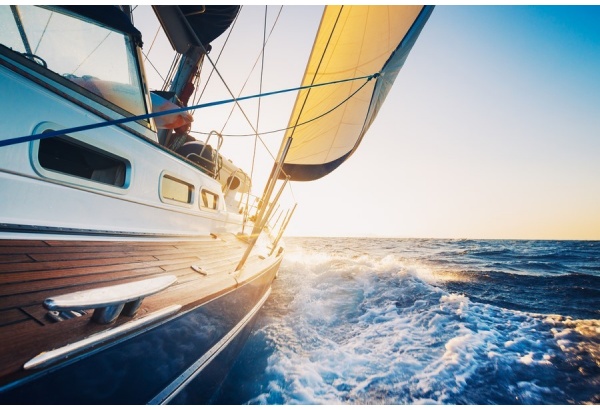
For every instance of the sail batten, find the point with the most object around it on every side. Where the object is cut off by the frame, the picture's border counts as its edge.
(352, 41)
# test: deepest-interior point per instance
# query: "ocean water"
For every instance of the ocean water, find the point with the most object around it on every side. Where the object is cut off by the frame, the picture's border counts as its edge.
(417, 321)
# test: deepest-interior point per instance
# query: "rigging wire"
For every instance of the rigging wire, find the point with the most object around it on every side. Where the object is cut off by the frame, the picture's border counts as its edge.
(49, 134)
(260, 89)
(152, 44)
(262, 53)
(196, 98)
(255, 63)
(92, 52)
(172, 71)
(155, 69)
(146, 55)
(43, 33)
(262, 66)
(255, 130)
(219, 56)
(237, 102)
(298, 124)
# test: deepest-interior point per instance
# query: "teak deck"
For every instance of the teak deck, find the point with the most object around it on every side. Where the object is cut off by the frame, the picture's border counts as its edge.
(32, 271)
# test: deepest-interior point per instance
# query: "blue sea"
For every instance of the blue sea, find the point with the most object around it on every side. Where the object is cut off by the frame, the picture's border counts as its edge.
(426, 321)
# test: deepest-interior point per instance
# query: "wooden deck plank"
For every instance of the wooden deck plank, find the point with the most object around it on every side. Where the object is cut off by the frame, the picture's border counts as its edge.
(58, 265)
(156, 253)
(185, 275)
(77, 249)
(39, 291)
(215, 245)
(81, 252)
(31, 271)
(172, 267)
(11, 316)
(83, 269)
(23, 243)
(15, 258)
(174, 242)
(203, 257)
(27, 292)
(224, 263)
(191, 293)
(19, 339)
(20, 277)
(22, 282)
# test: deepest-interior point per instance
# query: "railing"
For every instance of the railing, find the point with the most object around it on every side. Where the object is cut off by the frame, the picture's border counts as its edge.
(212, 158)
(251, 210)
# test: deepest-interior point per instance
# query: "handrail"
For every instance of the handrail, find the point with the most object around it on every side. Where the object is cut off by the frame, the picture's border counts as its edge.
(215, 162)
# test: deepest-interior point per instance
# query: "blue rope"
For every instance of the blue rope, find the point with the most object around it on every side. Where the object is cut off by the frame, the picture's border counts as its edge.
(72, 130)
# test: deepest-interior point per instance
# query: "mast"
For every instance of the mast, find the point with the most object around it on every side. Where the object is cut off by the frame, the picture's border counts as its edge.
(190, 29)
(182, 86)
(176, 28)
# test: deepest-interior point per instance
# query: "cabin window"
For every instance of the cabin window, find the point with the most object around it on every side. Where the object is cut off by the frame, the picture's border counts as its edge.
(174, 189)
(209, 200)
(71, 157)
(99, 59)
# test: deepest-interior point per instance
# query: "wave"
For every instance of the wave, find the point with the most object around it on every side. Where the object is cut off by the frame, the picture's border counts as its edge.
(537, 287)
(350, 326)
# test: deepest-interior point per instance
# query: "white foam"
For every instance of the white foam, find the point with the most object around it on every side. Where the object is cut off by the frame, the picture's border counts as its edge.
(366, 330)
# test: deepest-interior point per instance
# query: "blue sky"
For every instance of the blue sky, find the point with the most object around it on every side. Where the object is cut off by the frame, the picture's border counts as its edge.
(492, 129)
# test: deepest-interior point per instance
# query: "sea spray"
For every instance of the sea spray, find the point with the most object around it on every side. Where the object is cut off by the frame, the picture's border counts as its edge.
(384, 321)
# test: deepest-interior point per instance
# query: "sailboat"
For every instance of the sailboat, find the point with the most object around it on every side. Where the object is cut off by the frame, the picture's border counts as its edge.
(134, 256)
